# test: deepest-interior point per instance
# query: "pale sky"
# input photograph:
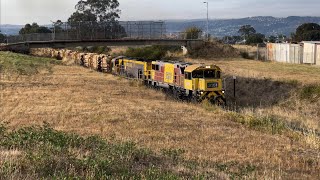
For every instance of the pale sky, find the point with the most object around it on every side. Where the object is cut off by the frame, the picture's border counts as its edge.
(43, 11)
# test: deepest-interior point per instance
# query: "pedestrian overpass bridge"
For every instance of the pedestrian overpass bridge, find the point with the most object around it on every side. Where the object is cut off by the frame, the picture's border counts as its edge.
(125, 33)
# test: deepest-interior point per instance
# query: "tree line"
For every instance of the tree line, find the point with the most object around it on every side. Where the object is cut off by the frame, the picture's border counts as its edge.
(248, 35)
(101, 11)
(98, 11)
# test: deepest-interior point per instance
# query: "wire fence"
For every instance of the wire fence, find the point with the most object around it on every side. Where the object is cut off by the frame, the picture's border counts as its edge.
(65, 31)
(97, 31)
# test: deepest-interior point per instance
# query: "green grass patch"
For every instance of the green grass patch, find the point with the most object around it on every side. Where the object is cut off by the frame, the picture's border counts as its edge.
(44, 153)
(21, 64)
(270, 124)
(47, 153)
(310, 92)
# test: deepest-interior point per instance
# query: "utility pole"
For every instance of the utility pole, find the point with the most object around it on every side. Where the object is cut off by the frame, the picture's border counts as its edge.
(0, 16)
(206, 2)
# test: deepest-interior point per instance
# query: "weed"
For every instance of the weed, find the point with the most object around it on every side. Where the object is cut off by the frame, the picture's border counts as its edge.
(209, 106)
(174, 154)
(292, 82)
(234, 169)
(270, 124)
(310, 92)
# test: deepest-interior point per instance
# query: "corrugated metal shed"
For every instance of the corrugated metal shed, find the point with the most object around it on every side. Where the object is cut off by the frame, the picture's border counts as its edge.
(295, 55)
(309, 53)
(281, 52)
(318, 55)
(271, 52)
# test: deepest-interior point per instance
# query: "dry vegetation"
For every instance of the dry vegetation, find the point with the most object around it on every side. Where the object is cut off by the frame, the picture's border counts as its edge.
(286, 90)
(251, 143)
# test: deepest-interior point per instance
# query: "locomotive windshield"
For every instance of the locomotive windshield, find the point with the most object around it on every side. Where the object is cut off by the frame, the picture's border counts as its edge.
(207, 74)
(197, 74)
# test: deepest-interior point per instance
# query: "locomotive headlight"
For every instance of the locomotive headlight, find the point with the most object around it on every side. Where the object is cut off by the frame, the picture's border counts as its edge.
(223, 92)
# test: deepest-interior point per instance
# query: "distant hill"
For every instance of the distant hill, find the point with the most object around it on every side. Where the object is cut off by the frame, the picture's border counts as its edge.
(10, 29)
(267, 25)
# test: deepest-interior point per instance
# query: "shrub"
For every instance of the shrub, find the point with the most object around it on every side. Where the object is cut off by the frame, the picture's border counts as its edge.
(151, 52)
(246, 55)
(97, 49)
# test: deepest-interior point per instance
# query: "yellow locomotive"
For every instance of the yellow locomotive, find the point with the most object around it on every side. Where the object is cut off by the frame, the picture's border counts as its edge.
(195, 82)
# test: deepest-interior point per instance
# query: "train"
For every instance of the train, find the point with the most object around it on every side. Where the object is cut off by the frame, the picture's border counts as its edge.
(186, 81)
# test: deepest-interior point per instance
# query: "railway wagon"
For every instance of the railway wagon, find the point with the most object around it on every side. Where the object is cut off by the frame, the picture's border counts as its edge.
(105, 63)
(131, 67)
(89, 60)
(167, 74)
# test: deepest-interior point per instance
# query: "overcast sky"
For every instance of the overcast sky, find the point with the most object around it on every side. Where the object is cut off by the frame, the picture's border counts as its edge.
(43, 11)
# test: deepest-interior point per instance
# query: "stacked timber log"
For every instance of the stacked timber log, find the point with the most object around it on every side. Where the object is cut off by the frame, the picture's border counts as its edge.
(99, 62)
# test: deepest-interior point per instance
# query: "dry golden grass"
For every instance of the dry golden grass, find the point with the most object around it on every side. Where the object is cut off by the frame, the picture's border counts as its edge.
(304, 74)
(246, 48)
(259, 82)
(75, 99)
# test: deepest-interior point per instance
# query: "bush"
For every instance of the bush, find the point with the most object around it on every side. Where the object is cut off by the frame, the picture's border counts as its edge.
(245, 55)
(98, 49)
(214, 49)
(151, 52)
(193, 33)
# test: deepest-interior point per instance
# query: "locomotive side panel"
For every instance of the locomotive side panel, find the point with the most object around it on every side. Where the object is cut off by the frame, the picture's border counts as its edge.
(169, 73)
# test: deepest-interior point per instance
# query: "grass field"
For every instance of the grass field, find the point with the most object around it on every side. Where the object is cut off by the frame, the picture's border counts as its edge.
(274, 89)
(182, 140)
(305, 74)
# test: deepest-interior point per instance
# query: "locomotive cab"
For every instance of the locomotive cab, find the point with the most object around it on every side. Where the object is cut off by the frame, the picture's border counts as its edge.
(204, 82)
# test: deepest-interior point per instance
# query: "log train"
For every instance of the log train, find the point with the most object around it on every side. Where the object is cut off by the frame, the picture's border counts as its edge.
(195, 82)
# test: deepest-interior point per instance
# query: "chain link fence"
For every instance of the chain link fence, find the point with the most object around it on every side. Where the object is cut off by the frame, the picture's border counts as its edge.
(97, 31)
